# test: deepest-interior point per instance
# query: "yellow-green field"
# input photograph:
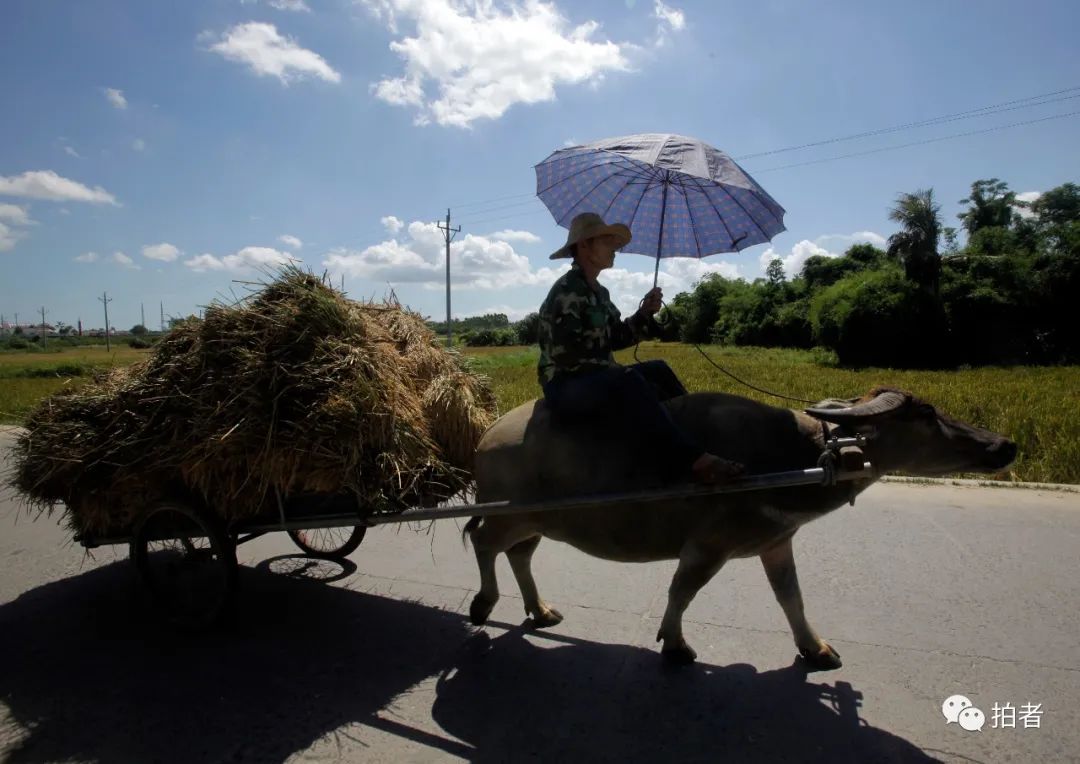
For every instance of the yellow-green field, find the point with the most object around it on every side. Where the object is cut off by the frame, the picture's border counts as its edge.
(1039, 407)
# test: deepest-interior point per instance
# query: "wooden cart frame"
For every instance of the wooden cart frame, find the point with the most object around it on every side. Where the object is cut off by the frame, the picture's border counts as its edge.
(185, 555)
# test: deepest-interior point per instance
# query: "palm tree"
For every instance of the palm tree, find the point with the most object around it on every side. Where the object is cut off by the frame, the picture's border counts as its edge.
(916, 244)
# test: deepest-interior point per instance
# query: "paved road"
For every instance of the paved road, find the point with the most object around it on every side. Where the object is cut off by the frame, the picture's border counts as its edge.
(926, 591)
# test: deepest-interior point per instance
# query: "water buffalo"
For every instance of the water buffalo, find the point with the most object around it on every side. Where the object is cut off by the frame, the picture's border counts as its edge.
(526, 457)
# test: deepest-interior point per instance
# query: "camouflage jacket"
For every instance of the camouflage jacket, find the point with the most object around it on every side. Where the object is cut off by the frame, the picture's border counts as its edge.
(579, 328)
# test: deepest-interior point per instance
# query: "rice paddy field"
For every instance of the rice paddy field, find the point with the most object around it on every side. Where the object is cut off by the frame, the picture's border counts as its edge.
(1039, 407)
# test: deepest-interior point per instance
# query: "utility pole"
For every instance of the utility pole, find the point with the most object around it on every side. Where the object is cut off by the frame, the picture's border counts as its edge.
(43, 332)
(161, 305)
(142, 312)
(105, 299)
(448, 234)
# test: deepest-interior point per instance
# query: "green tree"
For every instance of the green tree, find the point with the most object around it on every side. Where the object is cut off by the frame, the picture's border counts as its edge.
(915, 245)
(775, 272)
(139, 330)
(990, 204)
(528, 329)
(879, 318)
(1058, 206)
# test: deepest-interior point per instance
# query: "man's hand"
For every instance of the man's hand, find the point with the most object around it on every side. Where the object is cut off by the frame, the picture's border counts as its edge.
(652, 302)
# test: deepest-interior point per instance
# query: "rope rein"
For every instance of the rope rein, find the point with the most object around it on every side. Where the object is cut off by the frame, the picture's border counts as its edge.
(715, 364)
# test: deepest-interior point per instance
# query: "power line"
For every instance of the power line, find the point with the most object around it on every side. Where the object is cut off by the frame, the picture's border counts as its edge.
(492, 201)
(983, 111)
(918, 143)
(475, 223)
(525, 203)
(970, 114)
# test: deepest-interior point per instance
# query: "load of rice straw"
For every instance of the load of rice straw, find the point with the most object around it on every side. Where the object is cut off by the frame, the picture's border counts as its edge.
(293, 390)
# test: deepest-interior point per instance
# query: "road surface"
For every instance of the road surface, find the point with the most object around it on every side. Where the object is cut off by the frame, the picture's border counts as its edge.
(927, 591)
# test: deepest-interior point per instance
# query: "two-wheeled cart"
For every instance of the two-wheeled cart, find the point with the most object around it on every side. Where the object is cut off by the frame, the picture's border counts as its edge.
(185, 555)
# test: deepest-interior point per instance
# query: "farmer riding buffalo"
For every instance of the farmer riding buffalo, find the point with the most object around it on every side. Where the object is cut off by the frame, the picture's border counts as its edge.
(579, 330)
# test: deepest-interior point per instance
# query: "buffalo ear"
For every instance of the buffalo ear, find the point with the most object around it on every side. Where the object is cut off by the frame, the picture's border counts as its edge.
(883, 403)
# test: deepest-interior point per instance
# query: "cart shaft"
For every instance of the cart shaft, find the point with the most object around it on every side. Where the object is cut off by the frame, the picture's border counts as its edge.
(812, 476)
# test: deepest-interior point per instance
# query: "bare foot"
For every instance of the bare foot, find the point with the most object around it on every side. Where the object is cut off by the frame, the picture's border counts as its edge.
(711, 469)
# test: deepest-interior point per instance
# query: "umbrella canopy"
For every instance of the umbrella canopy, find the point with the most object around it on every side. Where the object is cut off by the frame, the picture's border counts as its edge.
(679, 196)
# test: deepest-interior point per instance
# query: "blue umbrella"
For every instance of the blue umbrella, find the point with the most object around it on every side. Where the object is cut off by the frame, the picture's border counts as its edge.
(696, 195)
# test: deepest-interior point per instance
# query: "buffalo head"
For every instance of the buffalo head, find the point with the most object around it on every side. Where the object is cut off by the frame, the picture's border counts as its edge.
(905, 433)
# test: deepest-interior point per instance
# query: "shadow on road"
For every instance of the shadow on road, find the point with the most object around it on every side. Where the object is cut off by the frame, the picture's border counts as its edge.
(85, 677)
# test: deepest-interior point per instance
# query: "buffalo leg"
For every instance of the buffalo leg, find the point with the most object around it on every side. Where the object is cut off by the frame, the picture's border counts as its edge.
(697, 566)
(488, 540)
(520, 556)
(779, 562)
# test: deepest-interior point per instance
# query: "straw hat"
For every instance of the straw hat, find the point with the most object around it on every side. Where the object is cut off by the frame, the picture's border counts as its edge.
(586, 226)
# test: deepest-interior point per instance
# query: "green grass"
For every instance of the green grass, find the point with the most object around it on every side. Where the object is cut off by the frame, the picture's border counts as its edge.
(1039, 407)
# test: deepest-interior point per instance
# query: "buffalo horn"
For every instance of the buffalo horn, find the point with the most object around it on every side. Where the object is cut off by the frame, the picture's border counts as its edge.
(882, 403)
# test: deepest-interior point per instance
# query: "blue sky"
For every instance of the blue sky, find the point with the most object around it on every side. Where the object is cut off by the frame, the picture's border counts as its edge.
(165, 151)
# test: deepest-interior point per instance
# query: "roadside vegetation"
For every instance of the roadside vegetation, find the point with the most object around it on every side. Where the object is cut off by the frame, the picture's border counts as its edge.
(1038, 406)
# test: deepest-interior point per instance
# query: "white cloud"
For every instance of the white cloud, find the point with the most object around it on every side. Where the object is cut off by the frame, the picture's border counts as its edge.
(514, 314)
(290, 241)
(669, 20)
(290, 5)
(138, 144)
(71, 152)
(525, 237)
(165, 252)
(392, 224)
(485, 263)
(248, 258)
(1029, 197)
(267, 53)
(14, 214)
(116, 97)
(859, 237)
(8, 237)
(121, 259)
(419, 257)
(46, 184)
(673, 17)
(87, 257)
(794, 261)
(470, 61)
(204, 262)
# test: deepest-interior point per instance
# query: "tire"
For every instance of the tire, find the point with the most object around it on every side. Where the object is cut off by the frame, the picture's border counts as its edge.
(329, 543)
(185, 563)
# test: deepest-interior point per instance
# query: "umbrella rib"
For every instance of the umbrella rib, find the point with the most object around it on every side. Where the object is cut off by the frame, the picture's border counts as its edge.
(616, 159)
(637, 206)
(741, 207)
(564, 178)
(693, 225)
(603, 180)
(720, 216)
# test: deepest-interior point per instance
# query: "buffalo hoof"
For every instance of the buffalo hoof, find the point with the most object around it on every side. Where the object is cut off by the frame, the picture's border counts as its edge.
(825, 659)
(548, 618)
(682, 655)
(479, 610)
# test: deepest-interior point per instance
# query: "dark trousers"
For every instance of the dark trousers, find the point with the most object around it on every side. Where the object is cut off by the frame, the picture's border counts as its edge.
(629, 396)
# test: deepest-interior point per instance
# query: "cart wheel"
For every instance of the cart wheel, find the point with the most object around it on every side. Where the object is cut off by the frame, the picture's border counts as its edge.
(329, 543)
(186, 563)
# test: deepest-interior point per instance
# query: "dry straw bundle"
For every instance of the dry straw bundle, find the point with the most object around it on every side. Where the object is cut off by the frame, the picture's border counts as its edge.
(294, 390)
